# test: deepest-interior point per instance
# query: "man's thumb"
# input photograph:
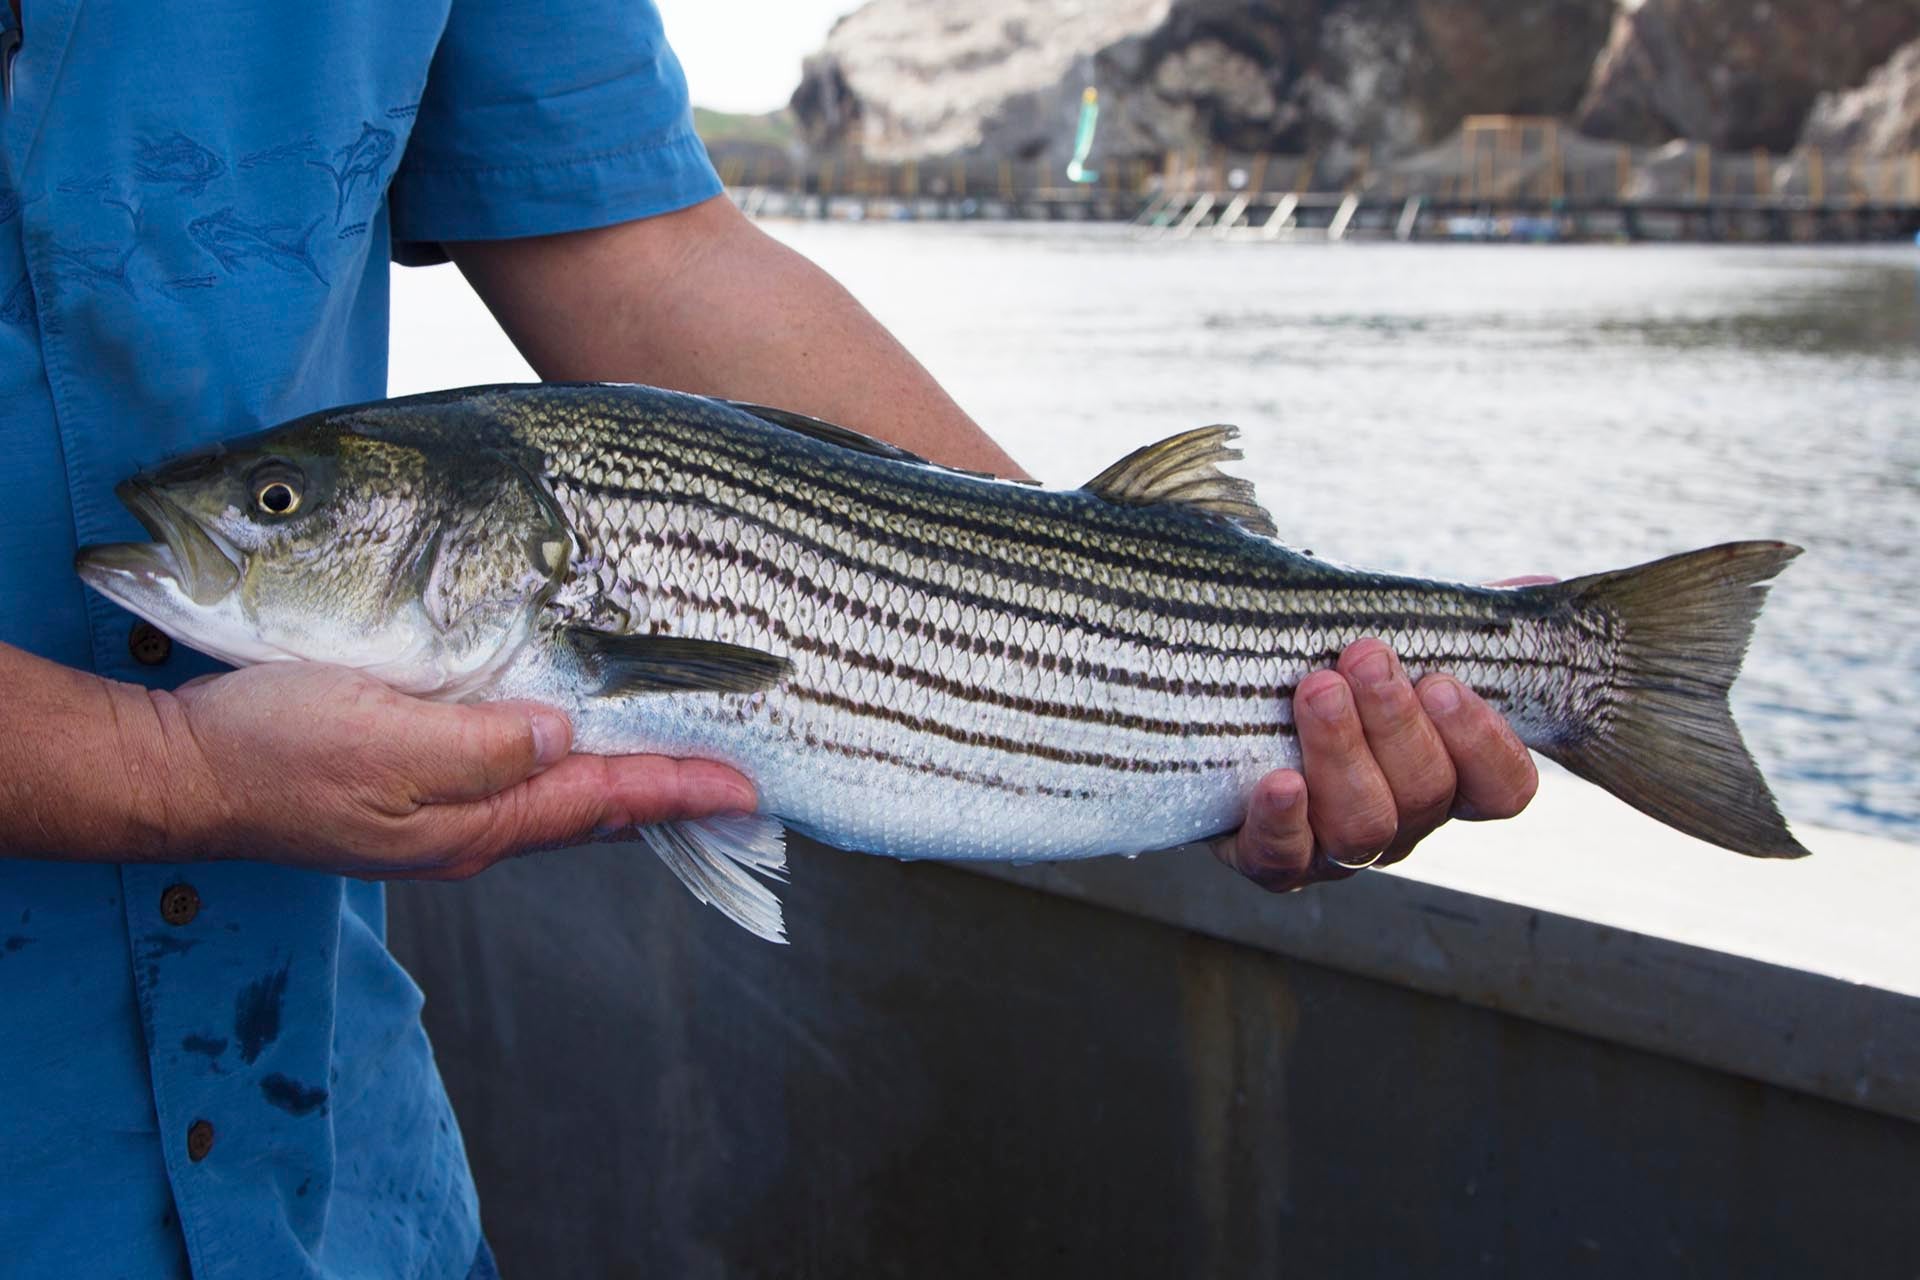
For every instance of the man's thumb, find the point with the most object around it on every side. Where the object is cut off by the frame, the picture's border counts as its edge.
(475, 750)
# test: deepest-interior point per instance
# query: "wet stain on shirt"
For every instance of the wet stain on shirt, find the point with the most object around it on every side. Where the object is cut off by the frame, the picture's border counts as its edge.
(256, 1013)
(208, 1045)
(15, 943)
(291, 1096)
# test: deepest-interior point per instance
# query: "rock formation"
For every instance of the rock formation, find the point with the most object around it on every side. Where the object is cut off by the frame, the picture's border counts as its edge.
(909, 79)
(1881, 117)
(1736, 74)
(903, 79)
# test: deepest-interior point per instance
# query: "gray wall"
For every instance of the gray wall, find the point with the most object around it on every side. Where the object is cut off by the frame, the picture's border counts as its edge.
(952, 1076)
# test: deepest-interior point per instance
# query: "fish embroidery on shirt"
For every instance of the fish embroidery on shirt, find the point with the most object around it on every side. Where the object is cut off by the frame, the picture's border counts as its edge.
(17, 309)
(234, 242)
(363, 158)
(99, 266)
(298, 149)
(179, 162)
(98, 184)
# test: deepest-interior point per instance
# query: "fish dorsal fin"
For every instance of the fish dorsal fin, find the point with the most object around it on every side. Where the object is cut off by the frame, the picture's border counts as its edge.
(718, 858)
(1181, 470)
(845, 437)
(628, 664)
(848, 438)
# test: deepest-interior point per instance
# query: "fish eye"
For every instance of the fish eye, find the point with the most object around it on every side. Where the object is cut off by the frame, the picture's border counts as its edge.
(277, 488)
(279, 498)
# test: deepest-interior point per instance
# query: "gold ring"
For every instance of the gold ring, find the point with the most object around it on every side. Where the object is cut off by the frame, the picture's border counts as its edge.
(1357, 866)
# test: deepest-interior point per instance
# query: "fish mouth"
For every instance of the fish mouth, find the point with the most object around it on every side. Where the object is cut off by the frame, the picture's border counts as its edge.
(183, 551)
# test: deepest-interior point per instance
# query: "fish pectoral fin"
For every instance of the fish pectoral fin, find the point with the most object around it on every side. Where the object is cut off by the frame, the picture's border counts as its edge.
(717, 858)
(626, 664)
(1181, 470)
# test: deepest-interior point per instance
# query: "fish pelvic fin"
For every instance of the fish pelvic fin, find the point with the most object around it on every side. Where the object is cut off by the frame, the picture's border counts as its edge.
(1183, 471)
(1666, 742)
(720, 861)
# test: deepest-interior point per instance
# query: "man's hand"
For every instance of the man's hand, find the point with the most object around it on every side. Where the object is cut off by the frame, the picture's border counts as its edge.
(322, 767)
(1384, 764)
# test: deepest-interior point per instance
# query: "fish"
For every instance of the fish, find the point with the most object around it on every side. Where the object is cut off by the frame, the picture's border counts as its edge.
(179, 162)
(233, 242)
(364, 157)
(905, 658)
(98, 265)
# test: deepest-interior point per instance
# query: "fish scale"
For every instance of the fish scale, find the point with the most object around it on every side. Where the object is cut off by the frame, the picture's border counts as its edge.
(930, 720)
(904, 658)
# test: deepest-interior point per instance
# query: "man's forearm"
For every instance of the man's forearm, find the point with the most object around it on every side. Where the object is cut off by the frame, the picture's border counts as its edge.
(84, 770)
(704, 301)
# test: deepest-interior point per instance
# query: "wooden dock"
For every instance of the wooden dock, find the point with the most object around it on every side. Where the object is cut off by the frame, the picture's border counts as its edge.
(1499, 178)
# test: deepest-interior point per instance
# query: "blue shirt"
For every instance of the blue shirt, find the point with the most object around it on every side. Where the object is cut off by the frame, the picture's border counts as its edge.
(219, 1064)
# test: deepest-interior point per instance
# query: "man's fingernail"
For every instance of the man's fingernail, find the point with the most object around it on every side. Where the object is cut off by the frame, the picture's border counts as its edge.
(1441, 696)
(1330, 703)
(1282, 801)
(1375, 669)
(551, 733)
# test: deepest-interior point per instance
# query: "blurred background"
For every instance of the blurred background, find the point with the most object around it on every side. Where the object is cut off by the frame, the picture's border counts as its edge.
(1491, 287)
(1078, 216)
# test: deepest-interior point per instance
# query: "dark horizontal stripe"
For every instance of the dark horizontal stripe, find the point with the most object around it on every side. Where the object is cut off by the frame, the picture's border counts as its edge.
(996, 742)
(677, 435)
(815, 742)
(985, 646)
(986, 695)
(995, 564)
(1277, 625)
(1383, 625)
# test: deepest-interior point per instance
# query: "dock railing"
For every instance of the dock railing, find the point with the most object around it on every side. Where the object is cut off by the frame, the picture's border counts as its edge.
(1496, 177)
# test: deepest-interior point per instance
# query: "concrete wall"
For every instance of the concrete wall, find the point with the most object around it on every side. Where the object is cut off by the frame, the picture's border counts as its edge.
(948, 1075)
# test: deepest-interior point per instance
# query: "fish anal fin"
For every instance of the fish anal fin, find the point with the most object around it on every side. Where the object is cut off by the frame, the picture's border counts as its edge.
(721, 860)
(1183, 471)
(629, 664)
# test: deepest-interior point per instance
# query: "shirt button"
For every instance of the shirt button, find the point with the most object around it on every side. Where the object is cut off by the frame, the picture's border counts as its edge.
(199, 1140)
(148, 644)
(179, 904)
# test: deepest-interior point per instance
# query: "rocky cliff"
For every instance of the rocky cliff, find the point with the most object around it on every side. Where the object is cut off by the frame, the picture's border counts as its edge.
(1735, 73)
(1881, 117)
(902, 79)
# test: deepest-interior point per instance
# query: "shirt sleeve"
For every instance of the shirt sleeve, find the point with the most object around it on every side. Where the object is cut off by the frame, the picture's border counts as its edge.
(547, 117)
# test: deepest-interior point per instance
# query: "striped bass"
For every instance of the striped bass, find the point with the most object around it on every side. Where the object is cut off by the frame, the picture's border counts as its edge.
(904, 658)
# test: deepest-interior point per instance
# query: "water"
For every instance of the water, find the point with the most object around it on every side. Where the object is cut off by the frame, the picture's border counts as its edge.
(1478, 412)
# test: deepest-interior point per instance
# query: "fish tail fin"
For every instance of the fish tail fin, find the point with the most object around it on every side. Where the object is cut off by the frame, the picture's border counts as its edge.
(306, 250)
(1666, 742)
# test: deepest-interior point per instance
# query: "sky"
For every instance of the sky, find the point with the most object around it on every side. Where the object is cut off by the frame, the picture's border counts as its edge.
(744, 55)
